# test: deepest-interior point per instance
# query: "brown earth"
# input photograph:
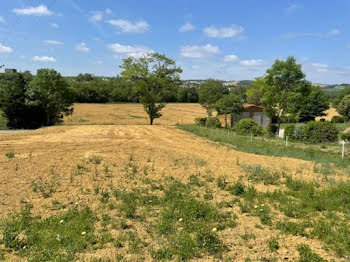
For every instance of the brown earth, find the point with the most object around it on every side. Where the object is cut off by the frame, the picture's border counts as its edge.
(54, 152)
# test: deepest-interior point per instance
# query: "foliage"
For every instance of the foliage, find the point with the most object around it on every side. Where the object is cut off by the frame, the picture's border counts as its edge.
(49, 91)
(151, 75)
(285, 88)
(13, 94)
(344, 107)
(320, 132)
(210, 91)
(248, 126)
(345, 137)
(51, 239)
(313, 105)
(339, 119)
(201, 121)
(344, 92)
(306, 255)
(229, 104)
(255, 92)
(289, 131)
(213, 122)
(271, 129)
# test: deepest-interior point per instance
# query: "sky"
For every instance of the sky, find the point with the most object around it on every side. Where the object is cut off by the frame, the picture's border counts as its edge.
(222, 39)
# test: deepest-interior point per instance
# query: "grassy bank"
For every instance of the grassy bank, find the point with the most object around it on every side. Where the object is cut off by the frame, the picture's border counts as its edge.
(270, 146)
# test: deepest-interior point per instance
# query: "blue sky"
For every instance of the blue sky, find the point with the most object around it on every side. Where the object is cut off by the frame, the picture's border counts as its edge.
(229, 40)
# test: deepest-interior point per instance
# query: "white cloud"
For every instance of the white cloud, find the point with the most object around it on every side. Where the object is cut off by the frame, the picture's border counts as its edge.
(96, 16)
(44, 59)
(186, 28)
(54, 25)
(127, 26)
(251, 62)
(196, 51)
(128, 50)
(108, 11)
(322, 70)
(292, 8)
(223, 32)
(331, 33)
(82, 47)
(231, 58)
(53, 42)
(319, 65)
(40, 10)
(5, 49)
(2, 20)
(334, 32)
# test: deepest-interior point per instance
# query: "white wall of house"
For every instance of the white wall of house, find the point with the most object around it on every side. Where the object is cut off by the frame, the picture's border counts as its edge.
(258, 117)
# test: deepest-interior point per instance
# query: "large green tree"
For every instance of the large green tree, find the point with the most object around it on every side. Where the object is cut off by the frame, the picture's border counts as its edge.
(50, 91)
(210, 91)
(229, 104)
(285, 86)
(152, 75)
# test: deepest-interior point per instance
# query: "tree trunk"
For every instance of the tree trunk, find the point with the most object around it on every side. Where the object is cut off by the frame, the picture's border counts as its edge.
(151, 120)
(278, 126)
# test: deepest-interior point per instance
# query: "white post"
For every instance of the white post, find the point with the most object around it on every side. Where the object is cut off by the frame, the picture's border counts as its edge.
(343, 149)
(286, 141)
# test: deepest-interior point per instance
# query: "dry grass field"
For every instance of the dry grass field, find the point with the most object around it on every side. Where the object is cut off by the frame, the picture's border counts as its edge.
(57, 169)
(131, 114)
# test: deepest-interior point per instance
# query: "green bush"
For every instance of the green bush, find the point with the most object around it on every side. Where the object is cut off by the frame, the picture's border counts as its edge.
(248, 126)
(345, 137)
(201, 121)
(339, 119)
(320, 132)
(213, 122)
(271, 129)
(289, 131)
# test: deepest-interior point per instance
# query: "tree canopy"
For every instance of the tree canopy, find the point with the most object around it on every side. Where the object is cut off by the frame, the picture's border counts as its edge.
(229, 104)
(151, 75)
(210, 91)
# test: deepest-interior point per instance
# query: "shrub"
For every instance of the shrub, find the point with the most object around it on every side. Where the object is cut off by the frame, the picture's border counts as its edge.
(320, 132)
(201, 121)
(345, 137)
(213, 122)
(339, 119)
(298, 132)
(344, 106)
(248, 126)
(289, 131)
(271, 129)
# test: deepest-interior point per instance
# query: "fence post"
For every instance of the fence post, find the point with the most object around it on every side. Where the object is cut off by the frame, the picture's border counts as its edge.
(343, 149)
(286, 141)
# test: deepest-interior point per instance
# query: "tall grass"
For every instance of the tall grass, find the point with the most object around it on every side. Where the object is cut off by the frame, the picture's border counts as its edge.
(270, 147)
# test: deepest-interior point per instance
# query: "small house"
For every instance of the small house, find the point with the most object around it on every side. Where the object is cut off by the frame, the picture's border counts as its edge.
(10, 70)
(254, 112)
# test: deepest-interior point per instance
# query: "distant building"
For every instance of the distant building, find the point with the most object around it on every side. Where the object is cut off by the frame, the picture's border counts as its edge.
(10, 70)
(254, 112)
(250, 111)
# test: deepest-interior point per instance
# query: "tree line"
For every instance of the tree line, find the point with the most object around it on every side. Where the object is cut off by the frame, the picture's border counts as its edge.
(29, 101)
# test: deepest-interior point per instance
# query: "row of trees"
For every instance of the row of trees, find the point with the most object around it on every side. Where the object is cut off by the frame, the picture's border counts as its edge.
(283, 91)
(153, 80)
(31, 102)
